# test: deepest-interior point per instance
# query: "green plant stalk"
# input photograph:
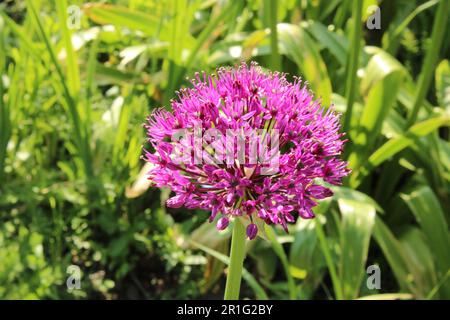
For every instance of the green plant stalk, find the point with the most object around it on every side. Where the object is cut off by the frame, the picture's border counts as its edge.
(4, 134)
(341, 12)
(237, 254)
(278, 248)
(201, 40)
(436, 288)
(90, 87)
(73, 76)
(431, 56)
(329, 260)
(394, 42)
(352, 62)
(82, 144)
(260, 294)
(22, 35)
(207, 32)
(5, 121)
(275, 55)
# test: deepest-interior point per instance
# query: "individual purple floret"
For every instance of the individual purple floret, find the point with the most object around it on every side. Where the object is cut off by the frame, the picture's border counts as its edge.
(252, 230)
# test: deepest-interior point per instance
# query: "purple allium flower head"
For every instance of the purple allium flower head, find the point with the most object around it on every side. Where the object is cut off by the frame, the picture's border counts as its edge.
(246, 99)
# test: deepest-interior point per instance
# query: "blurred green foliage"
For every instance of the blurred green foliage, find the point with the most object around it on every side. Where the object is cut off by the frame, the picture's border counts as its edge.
(74, 93)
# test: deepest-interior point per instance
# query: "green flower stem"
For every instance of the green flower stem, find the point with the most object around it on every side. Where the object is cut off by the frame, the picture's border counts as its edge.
(352, 62)
(237, 255)
(329, 261)
(275, 55)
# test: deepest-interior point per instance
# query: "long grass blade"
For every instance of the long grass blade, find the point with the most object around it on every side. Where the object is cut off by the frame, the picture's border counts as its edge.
(437, 36)
(353, 62)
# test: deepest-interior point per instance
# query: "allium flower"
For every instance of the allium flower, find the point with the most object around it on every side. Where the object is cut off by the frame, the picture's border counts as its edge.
(245, 99)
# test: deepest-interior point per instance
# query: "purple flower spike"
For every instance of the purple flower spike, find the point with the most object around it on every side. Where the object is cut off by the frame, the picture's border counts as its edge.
(246, 143)
(252, 231)
(222, 224)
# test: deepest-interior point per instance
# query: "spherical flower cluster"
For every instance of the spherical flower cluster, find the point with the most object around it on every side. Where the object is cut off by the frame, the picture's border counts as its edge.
(246, 98)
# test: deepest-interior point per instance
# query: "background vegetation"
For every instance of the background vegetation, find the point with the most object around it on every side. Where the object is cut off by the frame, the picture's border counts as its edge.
(73, 189)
